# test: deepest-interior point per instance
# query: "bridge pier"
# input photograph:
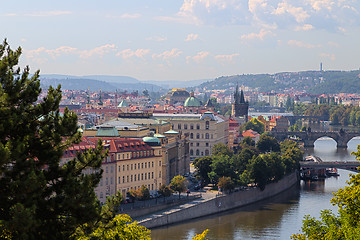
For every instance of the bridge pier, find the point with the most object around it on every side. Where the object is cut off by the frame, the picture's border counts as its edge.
(308, 144)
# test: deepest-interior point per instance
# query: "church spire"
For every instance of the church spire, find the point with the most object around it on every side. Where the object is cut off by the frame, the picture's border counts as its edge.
(242, 98)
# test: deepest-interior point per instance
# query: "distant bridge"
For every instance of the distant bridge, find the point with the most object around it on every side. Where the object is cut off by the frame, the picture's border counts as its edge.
(349, 165)
(293, 119)
(341, 137)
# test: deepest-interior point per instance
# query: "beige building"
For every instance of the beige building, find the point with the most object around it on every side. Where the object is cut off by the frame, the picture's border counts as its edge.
(203, 130)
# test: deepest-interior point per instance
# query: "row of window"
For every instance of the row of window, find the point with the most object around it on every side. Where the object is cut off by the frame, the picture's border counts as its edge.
(144, 176)
(198, 144)
(207, 136)
(131, 178)
(207, 126)
(132, 166)
(197, 152)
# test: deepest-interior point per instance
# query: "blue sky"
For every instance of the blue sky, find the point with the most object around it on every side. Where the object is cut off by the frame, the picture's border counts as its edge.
(183, 40)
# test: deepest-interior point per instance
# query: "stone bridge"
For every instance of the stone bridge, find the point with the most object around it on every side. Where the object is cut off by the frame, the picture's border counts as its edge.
(351, 165)
(341, 137)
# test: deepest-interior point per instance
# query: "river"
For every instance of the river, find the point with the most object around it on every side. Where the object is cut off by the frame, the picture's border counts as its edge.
(275, 218)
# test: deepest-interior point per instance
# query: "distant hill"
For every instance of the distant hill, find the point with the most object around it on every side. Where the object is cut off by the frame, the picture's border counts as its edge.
(179, 84)
(96, 82)
(315, 82)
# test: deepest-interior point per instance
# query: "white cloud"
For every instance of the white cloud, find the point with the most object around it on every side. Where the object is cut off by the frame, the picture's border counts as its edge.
(302, 44)
(191, 37)
(61, 50)
(226, 57)
(261, 35)
(166, 55)
(10, 15)
(304, 27)
(99, 51)
(132, 16)
(318, 5)
(156, 38)
(48, 13)
(298, 13)
(128, 53)
(328, 55)
(200, 56)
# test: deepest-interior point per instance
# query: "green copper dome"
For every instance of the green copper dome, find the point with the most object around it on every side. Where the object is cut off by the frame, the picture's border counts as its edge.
(192, 102)
(151, 140)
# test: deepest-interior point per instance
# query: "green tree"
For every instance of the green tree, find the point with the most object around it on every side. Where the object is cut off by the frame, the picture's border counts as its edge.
(221, 149)
(268, 143)
(40, 197)
(143, 193)
(345, 224)
(259, 172)
(248, 141)
(225, 184)
(222, 166)
(178, 184)
(202, 166)
(165, 191)
(256, 125)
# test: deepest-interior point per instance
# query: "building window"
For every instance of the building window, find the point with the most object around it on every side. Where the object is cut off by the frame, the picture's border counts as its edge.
(152, 186)
(138, 165)
(206, 144)
(119, 180)
(191, 152)
(101, 182)
(106, 170)
(185, 126)
(145, 176)
(107, 181)
(142, 176)
(191, 135)
(152, 175)
(135, 178)
(197, 135)
(160, 163)
(145, 165)
(179, 126)
(131, 167)
(202, 153)
(191, 144)
(198, 126)
(207, 125)
(123, 168)
(111, 169)
(123, 179)
(149, 176)
(159, 173)
(131, 178)
(119, 168)
(197, 152)
(127, 178)
(111, 180)
(142, 165)
(207, 136)
(135, 166)
(101, 195)
(191, 126)
(127, 167)
(152, 164)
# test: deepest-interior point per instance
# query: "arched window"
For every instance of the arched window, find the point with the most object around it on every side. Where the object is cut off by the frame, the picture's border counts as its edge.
(191, 152)
(207, 125)
(191, 126)
(185, 126)
(197, 135)
(197, 152)
(191, 135)
(197, 126)
(207, 136)
(206, 152)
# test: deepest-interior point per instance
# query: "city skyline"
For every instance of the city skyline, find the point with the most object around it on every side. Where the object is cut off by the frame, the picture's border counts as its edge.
(183, 40)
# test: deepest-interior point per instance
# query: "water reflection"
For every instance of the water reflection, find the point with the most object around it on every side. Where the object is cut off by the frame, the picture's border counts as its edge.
(278, 217)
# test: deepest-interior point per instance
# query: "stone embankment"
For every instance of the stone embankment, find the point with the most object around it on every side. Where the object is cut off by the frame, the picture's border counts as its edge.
(216, 204)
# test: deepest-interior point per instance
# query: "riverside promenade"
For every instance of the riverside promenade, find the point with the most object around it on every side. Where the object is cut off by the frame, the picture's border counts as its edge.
(211, 203)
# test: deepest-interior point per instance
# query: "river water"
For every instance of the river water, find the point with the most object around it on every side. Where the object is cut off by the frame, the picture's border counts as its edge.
(275, 218)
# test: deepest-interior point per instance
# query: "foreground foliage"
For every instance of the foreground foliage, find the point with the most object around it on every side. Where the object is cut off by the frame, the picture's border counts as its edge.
(40, 196)
(343, 225)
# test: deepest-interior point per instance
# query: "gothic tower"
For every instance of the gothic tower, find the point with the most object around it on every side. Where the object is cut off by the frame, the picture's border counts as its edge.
(240, 108)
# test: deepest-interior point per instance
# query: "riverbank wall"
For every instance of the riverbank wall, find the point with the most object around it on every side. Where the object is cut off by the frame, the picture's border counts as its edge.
(223, 203)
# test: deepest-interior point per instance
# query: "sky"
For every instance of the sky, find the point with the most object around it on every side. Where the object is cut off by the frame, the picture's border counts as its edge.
(168, 40)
